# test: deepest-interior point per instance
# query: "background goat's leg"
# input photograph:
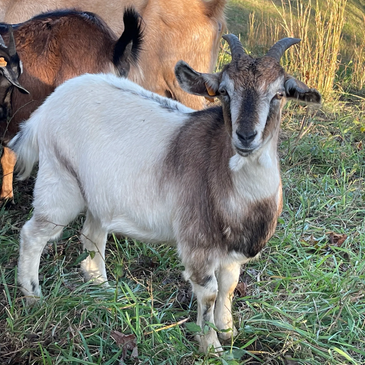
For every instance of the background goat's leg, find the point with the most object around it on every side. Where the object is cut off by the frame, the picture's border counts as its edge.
(93, 238)
(8, 160)
(205, 287)
(228, 275)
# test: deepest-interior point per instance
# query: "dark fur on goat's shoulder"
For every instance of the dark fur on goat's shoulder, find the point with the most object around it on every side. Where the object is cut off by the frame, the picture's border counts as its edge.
(256, 228)
(198, 157)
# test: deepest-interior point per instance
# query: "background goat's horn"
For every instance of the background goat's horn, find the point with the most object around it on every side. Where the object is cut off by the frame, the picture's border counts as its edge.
(235, 46)
(278, 49)
(11, 46)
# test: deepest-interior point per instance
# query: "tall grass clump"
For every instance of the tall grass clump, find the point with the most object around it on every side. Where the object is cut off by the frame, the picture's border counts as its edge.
(316, 61)
(358, 63)
(262, 33)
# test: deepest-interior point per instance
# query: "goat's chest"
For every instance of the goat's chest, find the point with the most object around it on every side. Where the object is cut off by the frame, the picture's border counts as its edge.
(247, 230)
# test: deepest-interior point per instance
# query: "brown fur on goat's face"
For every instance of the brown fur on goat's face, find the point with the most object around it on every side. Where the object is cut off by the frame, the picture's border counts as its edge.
(255, 73)
(252, 94)
(10, 69)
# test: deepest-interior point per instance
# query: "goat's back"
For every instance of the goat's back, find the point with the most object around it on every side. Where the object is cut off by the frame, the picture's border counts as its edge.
(52, 45)
(105, 141)
(17, 11)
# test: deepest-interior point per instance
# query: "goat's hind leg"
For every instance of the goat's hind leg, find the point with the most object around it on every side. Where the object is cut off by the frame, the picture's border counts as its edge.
(57, 201)
(93, 238)
(33, 238)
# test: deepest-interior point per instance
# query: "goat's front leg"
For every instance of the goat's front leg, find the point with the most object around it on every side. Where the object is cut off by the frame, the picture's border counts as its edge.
(228, 275)
(205, 287)
(8, 160)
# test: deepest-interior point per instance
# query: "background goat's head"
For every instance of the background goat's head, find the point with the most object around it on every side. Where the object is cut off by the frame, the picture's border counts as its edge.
(10, 70)
(252, 91)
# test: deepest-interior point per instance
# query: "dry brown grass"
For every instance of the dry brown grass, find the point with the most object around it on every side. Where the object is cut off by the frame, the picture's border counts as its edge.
(320, 28)
(317, 59)
(358, 62)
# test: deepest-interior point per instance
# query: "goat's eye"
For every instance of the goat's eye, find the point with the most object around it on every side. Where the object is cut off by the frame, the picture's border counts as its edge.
(222, 91)
(279, 95)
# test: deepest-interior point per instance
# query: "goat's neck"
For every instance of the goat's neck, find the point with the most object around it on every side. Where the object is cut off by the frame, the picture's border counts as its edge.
(257, 176)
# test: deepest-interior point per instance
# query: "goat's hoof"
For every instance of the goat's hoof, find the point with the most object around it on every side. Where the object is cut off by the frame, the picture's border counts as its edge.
(31, 291)
(31, 300)
(212, 346)
(225, 336)
(102, 282)
(95, 279)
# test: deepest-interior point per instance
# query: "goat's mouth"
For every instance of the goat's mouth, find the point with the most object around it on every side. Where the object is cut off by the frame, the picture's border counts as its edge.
(244, 152)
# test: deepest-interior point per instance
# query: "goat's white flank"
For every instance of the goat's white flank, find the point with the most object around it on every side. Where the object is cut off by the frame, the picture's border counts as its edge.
(138, 164)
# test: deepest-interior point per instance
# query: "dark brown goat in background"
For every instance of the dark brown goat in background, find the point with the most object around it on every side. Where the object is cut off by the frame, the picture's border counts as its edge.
(175, 30)
(57, 46)
(10, 69)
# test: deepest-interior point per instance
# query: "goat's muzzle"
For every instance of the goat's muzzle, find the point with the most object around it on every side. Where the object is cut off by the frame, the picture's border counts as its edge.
(245, 145)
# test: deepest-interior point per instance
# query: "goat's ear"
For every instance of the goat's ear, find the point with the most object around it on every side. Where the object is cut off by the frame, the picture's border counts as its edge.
(297, 90)
(194, 82)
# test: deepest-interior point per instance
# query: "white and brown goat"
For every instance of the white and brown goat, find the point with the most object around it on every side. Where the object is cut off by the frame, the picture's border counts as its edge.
(54, 47)
(207, 181)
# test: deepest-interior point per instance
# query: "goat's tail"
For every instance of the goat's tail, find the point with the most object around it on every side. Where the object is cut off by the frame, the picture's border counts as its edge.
(25, 146)
(129, 45)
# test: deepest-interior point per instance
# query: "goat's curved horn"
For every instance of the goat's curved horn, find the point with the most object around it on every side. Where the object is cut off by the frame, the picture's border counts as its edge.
(235, 45)
(2, 43)
(11, 46)
(278, 49)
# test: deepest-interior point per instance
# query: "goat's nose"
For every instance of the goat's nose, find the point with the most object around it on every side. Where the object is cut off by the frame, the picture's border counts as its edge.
(246, 137)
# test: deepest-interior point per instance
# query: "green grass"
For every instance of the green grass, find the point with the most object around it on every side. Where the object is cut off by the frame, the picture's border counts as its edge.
(303, 302)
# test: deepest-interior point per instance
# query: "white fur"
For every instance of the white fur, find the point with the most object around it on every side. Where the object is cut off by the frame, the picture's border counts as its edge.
(114, 147)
